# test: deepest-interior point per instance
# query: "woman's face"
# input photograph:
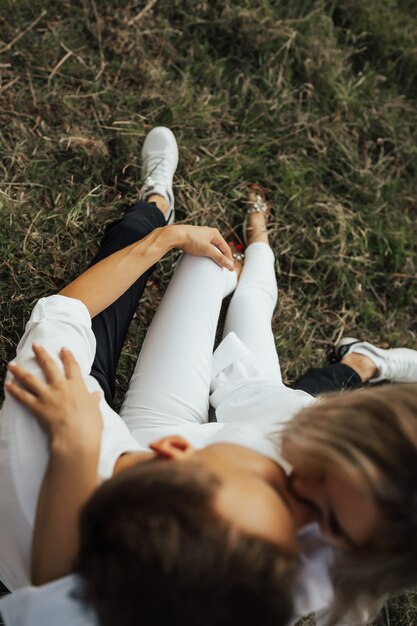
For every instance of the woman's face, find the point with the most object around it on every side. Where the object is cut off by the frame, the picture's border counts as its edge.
(347, 516)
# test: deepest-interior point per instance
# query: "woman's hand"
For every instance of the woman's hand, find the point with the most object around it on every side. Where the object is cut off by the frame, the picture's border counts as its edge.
(62, 405)
(202, 241)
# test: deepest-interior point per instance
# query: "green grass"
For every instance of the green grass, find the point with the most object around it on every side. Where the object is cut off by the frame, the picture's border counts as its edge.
(314, 99)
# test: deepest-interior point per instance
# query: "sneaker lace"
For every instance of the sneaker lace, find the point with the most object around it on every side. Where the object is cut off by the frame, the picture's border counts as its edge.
(158, 170)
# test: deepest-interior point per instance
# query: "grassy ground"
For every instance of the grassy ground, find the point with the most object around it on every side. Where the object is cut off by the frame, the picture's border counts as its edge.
(315, 100)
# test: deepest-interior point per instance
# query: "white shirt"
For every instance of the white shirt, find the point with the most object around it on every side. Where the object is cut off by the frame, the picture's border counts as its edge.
(58, 321)
(55, 322)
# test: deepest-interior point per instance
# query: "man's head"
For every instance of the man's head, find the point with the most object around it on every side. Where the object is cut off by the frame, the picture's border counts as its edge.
(158, 545)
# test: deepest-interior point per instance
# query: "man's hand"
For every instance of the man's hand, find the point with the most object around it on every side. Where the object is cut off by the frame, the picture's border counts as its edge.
(70, 414)
(62, 405)
(202, 241)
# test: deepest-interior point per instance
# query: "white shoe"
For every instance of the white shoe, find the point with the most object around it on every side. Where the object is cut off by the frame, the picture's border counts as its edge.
(159, 162)
(396, 364)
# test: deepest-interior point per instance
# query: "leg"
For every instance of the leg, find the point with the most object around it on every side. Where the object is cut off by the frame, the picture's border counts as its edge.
(335, 377)
(353, 371)
(159, 162)
(110, 327)
(252, 305)
(172, 377)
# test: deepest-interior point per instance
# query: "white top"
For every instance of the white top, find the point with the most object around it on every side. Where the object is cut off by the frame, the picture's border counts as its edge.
(55, 322)
(58, 321)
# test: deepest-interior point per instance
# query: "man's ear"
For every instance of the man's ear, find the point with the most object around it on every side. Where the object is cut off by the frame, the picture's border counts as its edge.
(172, 447)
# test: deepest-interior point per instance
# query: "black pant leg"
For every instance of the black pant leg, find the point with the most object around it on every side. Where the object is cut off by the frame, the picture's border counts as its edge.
(335, 377)
(111, 325)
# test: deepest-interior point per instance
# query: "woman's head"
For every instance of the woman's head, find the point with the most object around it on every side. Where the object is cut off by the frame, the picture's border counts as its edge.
(355, 459)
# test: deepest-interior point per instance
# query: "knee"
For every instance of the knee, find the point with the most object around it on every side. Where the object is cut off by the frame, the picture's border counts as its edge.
(257, 290)
(129, 229)
(138, 221)
(207, 269)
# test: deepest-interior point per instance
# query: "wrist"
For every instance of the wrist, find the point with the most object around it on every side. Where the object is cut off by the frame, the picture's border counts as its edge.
(155, 245)
(68, 442)
(173, 236)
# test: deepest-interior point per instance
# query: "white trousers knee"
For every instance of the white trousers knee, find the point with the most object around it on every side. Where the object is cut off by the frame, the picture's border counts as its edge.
(171, 381)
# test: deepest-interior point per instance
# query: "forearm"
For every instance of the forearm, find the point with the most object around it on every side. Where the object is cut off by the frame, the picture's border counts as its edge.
(70, 479)
(103, 283)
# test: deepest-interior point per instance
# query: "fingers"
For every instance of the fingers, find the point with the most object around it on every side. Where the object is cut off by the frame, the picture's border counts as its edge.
(222, 245)
(218, 257)
(28, 380)
(20, 394)
(47, 364)
(206, 241)
(71, 367)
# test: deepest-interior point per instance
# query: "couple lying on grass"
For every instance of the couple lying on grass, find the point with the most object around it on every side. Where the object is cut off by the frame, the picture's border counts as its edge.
(285, 504)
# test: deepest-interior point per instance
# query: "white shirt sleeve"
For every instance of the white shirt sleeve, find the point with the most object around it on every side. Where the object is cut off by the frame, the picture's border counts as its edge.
(55, 322)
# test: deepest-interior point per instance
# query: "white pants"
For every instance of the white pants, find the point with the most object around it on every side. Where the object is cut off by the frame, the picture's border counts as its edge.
(173, 372)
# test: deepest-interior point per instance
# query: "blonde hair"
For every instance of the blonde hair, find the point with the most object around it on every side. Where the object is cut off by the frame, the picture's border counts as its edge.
(369, 437)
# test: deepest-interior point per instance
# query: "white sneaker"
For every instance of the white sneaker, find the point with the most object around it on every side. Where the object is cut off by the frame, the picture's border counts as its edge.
(159, 162)
(396, 364)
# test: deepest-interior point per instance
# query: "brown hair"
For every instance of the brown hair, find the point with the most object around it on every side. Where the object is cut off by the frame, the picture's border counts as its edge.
(153, 551)
(369, 437)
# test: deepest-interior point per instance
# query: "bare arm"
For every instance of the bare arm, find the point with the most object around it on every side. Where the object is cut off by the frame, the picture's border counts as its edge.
(70, 415)
(103, 283)
(69, 481)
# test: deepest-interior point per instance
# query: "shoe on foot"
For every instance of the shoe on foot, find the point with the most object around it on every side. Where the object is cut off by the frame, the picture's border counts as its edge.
(159, 162)
(256, 203)
(396, 364)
